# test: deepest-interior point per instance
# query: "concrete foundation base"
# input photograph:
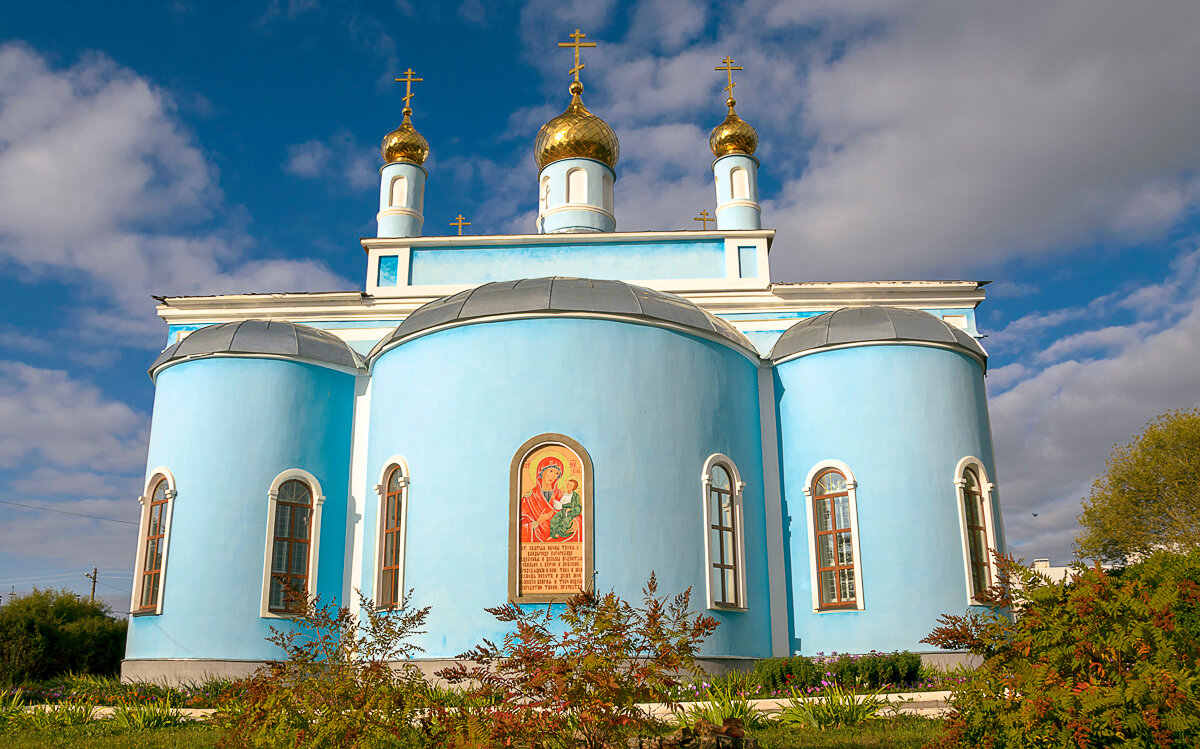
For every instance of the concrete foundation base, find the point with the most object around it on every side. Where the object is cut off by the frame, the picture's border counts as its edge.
(175, 672)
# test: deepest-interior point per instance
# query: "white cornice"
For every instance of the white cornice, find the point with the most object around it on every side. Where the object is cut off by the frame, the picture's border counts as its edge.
(779, 298)
(476, 240)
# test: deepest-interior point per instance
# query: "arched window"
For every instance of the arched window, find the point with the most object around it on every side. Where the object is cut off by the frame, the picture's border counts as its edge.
(979, 535)
(833, 538)
(152, 543)
(293, 541)
(399, 192)
(544, 195)
(739, 183)
(577, 186)
(607, 184)
(393, 510)
(723, 551)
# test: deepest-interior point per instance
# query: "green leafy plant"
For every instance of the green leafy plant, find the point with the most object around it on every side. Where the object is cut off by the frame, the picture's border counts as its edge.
(1091, 661)
(726, 698)
(50, 632)
(337, 687)
(62, 715)
(872, 670)
(12, 710)
(577, 681)
(833, 707)
(143, 716)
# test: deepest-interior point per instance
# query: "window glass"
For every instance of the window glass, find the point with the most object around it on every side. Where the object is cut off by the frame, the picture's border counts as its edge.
(388, 595)
(723, 535)
(977, 535)
(290, 545)
(834, 540)
(154, 540)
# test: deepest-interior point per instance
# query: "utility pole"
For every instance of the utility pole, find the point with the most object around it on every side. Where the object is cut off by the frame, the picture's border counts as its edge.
(92, 577)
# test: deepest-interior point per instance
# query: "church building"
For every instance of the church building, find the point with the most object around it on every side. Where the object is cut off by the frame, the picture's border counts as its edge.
(516, 418)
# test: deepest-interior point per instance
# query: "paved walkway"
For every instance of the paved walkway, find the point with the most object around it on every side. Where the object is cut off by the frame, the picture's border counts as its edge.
(925, 704)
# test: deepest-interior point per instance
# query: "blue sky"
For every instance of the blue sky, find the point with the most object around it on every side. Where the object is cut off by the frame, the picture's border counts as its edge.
(1050, 146)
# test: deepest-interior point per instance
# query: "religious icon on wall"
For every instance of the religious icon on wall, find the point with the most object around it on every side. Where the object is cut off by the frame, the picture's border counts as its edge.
(552, 518)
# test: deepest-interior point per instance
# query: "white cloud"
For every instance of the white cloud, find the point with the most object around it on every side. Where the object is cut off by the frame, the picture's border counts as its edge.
(104, 188)
(960, 134)
(47, 417)
(339, 157)
(1056, 424)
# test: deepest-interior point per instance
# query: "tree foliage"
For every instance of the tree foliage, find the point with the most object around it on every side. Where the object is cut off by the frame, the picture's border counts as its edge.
(1148, 497)
(1093, 661)
(46, 633)
(575, 681)
(339, 685)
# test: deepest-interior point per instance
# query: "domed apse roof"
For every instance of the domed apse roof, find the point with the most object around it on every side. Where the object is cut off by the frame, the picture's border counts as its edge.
(561, 295)
(267, 337)
(851, 326)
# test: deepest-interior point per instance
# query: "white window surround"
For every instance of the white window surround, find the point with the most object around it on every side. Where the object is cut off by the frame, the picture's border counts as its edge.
(739, 183)
(314, 544)
(159, 473)
(399, 192)
(381, 493)
(577, 185)
(810, 523)
(988, 488)
(739, 535)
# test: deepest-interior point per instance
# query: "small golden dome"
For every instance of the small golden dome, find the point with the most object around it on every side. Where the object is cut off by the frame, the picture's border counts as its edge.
(734, 135)
(576, 133)
(405, 143)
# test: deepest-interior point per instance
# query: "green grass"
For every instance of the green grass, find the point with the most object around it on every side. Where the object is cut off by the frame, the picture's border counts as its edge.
(105, 735)
(901, 732)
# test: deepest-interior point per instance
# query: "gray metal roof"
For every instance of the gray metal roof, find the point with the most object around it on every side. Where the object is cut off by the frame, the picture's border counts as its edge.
(270, 337)
(861, 325)
(561, 295)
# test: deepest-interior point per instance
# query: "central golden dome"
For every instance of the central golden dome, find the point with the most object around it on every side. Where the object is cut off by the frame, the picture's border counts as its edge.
(405, 143)
(733, 135)
(576, 133)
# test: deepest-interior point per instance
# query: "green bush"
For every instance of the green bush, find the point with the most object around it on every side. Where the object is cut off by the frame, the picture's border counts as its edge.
(1171, 569)
(337, 687)
(873, 670)
(1096, 660)
(51, 632)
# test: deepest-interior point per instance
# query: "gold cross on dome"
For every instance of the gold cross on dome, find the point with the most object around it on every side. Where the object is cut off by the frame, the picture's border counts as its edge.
(577, 42)
(729, 67)
(704, 217)
(408, 81)
(460, 223)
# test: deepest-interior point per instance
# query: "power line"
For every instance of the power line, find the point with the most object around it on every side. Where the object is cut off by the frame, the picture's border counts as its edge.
(64, 512)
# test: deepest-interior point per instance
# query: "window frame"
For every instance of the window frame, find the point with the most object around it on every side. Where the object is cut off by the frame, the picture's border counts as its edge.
(986, 490)
(820, 468)
(393, 463)
(161, 473)
(737, 486)
(314, 543)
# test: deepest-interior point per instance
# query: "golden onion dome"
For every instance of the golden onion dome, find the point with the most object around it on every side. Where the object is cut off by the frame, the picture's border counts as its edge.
(576, 133)
(405, 143)
(733, 135)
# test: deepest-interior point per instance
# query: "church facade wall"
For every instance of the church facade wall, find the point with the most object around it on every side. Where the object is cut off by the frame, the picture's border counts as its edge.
(649, 406)
(227, 429)
(899, 419)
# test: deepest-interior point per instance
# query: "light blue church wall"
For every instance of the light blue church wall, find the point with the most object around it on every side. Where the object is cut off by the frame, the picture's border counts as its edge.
(640, 260)
(226, 427)
(901, 418)
(649, 405)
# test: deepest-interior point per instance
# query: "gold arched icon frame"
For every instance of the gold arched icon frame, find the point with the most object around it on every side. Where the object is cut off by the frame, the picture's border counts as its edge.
(514, 517)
